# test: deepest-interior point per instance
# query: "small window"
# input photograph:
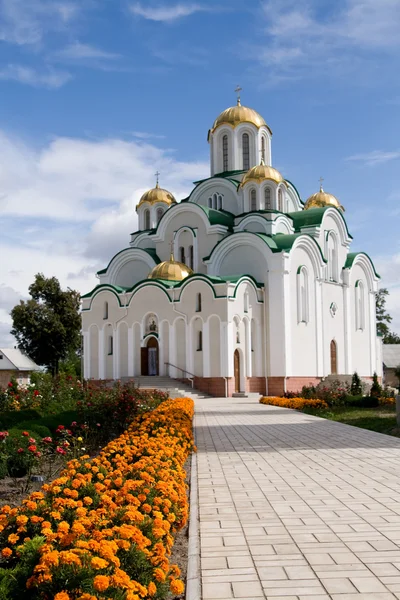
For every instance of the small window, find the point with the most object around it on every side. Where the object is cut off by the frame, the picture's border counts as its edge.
(110, 345)
(246, 302)
(198, 303)
(147, 219)
(225, 161)
(182, 257)
(200, 341)
(105, 314)
(253, 200)
(191, 257)
(160, 213)
(210, 202)
(237, 334)
(360, 310)
(263, 149)
(1, 357)
(280, 200)
(302, 296)
(219, 202)
(267, 198)
(215, 201)
(246, 151)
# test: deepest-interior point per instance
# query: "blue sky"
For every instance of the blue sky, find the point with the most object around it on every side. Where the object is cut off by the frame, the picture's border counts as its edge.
(96, 95)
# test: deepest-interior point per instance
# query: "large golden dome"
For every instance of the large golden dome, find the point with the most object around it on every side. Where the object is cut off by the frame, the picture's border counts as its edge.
(262, 173)
(171, 270)
(157, 194)
(235, 115)
(321, 199)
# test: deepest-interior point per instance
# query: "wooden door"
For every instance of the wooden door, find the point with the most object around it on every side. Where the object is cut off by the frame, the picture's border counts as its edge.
(333, 358)
(236, 361)
(144, 361)
(152, 357)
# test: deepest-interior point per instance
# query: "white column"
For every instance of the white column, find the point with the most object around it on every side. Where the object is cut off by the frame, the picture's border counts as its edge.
(131, 353)
(161, 359)
(206, 349)
(116, 353)
(189, 349)
(372, 329)
(287, 320)
(229, 368)
(249, 370)
(86, 354)
(348, 366)
(319, 328)
(102, 370)
(171, 371)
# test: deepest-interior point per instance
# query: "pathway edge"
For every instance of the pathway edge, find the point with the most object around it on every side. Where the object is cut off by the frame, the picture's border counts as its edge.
(193, 585)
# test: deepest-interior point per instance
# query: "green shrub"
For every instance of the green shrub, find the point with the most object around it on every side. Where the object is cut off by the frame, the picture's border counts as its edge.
(18, 463)
(370, 402)
(376, 389)
(11, 418)
(35, 427)
(53, 421)
(351, 400)
(356, 385)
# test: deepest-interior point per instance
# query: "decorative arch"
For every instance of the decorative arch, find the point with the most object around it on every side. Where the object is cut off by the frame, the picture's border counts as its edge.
(360, 305)
(331, 253)
(251, 240)
(303, 307)
(338, 218)
(126, 256)
(311, 247)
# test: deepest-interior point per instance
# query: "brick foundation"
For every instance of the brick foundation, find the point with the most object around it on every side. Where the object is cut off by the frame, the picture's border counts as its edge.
(256, 385)
(295, 384)
(215, 386)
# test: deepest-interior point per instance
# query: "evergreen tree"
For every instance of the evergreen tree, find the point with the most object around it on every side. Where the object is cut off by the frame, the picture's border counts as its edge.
(356, 385)
(47, 327)
(376, 389)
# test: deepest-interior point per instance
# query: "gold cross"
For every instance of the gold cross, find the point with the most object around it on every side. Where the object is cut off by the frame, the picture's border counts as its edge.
(238, 90)
(157, 174)
(321, 179)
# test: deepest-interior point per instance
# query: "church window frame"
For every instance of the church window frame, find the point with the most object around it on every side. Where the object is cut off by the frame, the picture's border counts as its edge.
(182, 257)
(246, 302)
(110, 345)
(105, 311)
(332, 256)
(198, 302)
(225, 153)
(191, 257)
(146, 218)
(199, 341)
(360, 305)
(253, 200)
(263, 149)
(159, 214)
(246, 151)
(280, 200)
(303, 298)
(210, 202)
(219, 201)
(267, 198)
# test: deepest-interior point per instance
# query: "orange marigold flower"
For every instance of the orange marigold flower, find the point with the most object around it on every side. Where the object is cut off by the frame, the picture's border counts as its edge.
(152, 589)
(63, 527)
(21, 520)
(159, 574)
(99, 563)
(6, 552)
(101, 583)
(87, 500)
(62, 596)
(176, 586)
(12, 538)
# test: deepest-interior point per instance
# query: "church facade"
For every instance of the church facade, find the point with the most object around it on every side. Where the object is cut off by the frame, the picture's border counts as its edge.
(239, 287)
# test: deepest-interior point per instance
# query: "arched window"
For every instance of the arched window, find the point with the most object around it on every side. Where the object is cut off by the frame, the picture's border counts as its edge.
(110, 345)
(280, 201)
(160, 213)
(237, 334)
(246, 151)
(332, 256)
(360, 305)
(302, 296)
(147, 219)
(246, 302)
(182, 257)
(225, 161)
(105, 314)
(263, 149)
(253, 199)
(191, 257)
(219, 202)
(215, 201)
(210, 202)
(267, 197)
(334, 369)
(200, 341)
(198, 303)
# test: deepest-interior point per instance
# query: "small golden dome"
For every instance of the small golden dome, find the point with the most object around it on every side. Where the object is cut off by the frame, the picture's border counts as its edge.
(235, 115)
(171, 270)
(157, 194)
(321, 199)
(261, 173)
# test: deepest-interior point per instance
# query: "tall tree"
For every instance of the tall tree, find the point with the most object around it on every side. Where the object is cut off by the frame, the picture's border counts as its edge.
(47, 326)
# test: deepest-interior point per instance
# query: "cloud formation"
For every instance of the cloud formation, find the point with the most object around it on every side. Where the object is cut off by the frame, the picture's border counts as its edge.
(166, 13)
(49, 78)
(78, 51)
(376, 157)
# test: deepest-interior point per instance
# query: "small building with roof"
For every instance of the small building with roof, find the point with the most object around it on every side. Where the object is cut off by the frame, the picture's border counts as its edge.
(391, 362)
(14, 363)
(241, 287)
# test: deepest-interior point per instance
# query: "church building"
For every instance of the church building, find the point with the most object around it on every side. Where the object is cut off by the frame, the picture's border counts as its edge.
(241, 287)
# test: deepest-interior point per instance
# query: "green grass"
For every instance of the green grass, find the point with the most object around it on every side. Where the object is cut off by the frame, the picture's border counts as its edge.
(381, 419)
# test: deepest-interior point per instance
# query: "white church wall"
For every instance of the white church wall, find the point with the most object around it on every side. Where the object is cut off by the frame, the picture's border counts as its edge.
(180, 337)
(197, 348)
(332, 222)
(131, 273)
(109, 351)
(94, 352)
(362, 330)
(244, 260)
(278, 305)
(164, 349)
(137, 348)
(333, 326)
(215, 345)
(145, 242)
(123, 349)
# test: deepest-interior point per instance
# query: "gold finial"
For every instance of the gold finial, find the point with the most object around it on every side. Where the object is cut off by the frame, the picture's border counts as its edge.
(238, 90)
(171, 258)
(157, 174)
(321, 179)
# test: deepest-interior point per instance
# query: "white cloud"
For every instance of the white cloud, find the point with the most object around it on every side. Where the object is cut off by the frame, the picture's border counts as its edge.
(376, 157)
(77, 51)
(68, 207)
(166, 13)
(27, 22)
(301, 40)
(50, 78)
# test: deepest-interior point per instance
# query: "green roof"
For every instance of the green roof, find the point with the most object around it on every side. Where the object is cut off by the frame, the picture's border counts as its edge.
(261, 211)
(351, 258)
(115, 288)
(313, 217)
(149, 251)
(223, 175)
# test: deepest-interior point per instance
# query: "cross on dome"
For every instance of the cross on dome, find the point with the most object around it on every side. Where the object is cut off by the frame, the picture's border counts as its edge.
(157, 175)
(321, 179)
(238, 89)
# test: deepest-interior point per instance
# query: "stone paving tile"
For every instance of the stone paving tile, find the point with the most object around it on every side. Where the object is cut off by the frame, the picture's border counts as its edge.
(293, 507)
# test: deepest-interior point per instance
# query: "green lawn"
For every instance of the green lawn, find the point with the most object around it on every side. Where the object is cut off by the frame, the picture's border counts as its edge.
(381, 419)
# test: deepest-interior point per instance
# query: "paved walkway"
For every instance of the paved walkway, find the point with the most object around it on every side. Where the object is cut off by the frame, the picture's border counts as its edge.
(293, 507)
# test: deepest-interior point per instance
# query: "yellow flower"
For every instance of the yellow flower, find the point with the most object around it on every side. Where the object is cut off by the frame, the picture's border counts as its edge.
(62, 596)
(176, 586)
(101, 583)
(99, 563)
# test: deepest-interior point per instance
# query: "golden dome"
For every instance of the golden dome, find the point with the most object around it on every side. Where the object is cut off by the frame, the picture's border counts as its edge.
(321, 199)
(171, 270)
(262, 173)
(235, 115)
(157, 194)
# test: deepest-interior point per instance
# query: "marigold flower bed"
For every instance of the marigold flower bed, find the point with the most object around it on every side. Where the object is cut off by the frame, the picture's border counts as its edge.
(295, 403)
(104, 528)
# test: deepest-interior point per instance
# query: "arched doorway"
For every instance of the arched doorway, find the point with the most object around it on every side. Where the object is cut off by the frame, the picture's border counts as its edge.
(333, 357)
(236, 363)
(150, 357)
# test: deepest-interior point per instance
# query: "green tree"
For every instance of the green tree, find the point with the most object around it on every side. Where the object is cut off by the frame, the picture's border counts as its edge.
(383, 319)
(397, 374)
(356, 385)
(376, 388)
(47, 326)
(391, 338)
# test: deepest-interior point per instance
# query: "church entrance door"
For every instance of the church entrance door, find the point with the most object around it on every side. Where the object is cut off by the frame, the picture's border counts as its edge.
(236, 362)
(333, 358)
(150, 358)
